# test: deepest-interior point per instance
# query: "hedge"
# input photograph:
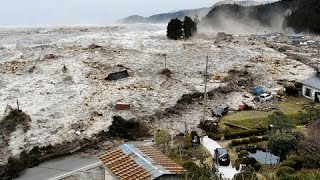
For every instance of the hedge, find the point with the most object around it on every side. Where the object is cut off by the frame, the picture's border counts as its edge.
(289, 163)
(246, 133)
(215, 136)
(254, 139)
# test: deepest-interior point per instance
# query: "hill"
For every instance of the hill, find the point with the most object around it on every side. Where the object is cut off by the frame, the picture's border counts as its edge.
(166, 17)
(233, 16)
(306, 17)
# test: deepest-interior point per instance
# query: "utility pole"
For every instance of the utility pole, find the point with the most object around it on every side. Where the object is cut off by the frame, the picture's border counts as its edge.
(165, 61)
(205, 91)
(18, 105)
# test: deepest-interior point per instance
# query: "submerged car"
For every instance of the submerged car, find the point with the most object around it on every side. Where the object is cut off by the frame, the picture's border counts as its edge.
(222, 157)
(265, 97)
(221, 111)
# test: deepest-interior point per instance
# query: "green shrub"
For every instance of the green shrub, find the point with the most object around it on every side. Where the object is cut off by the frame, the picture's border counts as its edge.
(254, 139)
(216, 137)
(257, 166)
(243, 153)
(289, 163)
(245, 176)
(249, 161)
(245, 141)
(264, 138)
(288, 177)
(298, 160)
(190, 166)
(284, 170)
(235, 142)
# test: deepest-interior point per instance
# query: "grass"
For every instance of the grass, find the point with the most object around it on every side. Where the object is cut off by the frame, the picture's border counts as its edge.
(256, 119)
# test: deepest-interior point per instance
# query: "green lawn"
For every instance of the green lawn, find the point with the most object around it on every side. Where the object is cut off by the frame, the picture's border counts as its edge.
(255, 119)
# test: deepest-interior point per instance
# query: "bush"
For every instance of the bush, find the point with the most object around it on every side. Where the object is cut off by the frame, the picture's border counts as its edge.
(243, 153)
(298, 160)
(257, 166)
(249, 161)
(289, 177)
(235, 142)
(245, 141)
(264, 138)
(190, 166)
(284, 170)
(254, 139)
(215, 136)
(289, 163)
(245, 176)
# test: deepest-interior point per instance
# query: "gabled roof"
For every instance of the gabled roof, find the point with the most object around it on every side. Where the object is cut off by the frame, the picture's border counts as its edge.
(313, 82)
(139, 162)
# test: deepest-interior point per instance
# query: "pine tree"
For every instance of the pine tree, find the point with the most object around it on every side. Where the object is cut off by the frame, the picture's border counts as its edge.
(189, 27)
(174, 29)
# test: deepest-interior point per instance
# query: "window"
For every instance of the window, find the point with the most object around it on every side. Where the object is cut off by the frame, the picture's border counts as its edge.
(308, 92)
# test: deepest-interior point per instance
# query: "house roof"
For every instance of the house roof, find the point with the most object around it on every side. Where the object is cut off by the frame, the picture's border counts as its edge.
(139, 162)
(313, 82)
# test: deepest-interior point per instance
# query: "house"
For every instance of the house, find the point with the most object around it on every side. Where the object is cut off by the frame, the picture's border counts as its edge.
(139, 162)
(118, 75)
(311, 88)
(296, 39)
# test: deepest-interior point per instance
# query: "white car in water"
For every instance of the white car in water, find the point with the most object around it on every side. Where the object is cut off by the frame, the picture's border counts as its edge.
(265, 97)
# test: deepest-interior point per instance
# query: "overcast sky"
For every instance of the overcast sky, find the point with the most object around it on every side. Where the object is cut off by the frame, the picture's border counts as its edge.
(68, 12)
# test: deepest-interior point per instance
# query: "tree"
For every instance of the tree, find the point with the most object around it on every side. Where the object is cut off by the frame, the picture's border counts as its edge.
(174, 29)
(282, 143)
(309, 114)
(280, 121)
(189, 27)
(311, 143)
(162, 138)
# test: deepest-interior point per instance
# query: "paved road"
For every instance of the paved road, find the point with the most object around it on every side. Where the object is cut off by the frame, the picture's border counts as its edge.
(227, 172)
(58, 166)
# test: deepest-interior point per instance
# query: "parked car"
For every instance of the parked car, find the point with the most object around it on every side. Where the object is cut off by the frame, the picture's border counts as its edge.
(222, 157)
(221, 111)
(265, 97)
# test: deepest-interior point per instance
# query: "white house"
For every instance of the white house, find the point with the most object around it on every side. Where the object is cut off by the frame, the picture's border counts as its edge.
(311, 88)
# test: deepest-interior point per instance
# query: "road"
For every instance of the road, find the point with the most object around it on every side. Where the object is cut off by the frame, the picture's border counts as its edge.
(227, 172)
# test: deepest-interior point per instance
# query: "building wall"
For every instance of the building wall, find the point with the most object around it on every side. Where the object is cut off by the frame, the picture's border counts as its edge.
(313, 92)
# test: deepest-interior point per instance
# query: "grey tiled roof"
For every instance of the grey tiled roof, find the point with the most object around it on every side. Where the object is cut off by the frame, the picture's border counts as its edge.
(313, 82)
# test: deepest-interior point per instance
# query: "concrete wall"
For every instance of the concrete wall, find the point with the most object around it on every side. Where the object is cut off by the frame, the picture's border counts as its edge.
(313, 92)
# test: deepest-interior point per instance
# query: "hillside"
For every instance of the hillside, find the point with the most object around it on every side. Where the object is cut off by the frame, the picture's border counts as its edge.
(306, 17)
(232, 16)
(166, 17)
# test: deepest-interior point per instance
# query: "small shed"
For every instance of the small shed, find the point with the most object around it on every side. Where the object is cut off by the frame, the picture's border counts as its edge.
(311, 88)
(123, 106)
(258, 91)
(118, 75)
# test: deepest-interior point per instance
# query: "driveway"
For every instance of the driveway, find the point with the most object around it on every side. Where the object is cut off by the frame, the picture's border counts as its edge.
(227, 172)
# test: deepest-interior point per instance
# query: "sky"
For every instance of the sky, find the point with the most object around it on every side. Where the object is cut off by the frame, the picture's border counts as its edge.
(94, 12)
